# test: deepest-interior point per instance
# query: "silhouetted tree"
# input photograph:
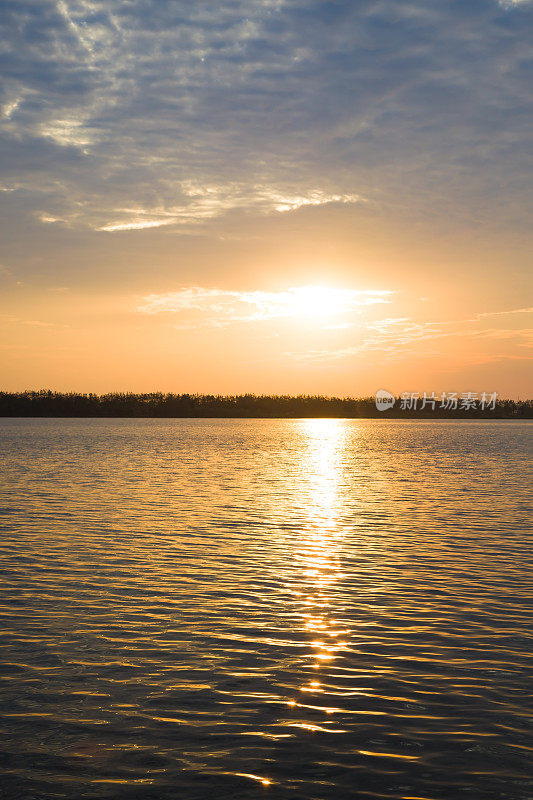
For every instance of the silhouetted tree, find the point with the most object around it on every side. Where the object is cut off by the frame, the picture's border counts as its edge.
(45, 403)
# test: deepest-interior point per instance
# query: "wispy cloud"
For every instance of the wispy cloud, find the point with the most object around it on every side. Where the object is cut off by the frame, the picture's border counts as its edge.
(221, 307)
(188, 111)
(400, 338)
(513, 3)
(204, 203)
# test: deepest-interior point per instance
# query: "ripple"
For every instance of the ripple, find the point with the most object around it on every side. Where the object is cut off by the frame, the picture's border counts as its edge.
(290, 609)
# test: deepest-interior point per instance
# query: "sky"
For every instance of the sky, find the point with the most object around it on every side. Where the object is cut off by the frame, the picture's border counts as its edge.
(272, 196)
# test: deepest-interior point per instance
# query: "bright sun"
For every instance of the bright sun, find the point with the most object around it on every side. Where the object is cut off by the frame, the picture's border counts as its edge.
(320, 301)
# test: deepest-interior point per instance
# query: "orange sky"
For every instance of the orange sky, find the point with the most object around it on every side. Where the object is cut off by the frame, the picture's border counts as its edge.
(162, 215)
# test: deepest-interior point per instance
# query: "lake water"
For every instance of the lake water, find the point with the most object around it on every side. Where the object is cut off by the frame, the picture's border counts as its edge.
(273, 609)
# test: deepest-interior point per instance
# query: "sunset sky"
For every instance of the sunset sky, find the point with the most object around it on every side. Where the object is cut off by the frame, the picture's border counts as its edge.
(275, 196)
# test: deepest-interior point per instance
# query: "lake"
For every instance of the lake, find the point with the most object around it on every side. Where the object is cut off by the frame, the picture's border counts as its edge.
(276, 609)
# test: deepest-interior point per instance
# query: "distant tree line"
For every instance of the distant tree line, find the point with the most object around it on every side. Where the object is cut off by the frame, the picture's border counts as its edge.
(156, 404)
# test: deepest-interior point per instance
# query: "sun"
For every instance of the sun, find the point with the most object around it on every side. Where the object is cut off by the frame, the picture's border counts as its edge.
(319, 301)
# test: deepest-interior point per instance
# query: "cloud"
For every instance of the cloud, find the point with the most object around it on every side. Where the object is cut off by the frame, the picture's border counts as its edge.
(188, 111)
(402, 337)
(513, 3)
(137, 223)
(204, 203)
(221, 307)
(505, 313)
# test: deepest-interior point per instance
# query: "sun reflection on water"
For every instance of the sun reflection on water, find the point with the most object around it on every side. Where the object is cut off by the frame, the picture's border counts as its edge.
(281, 608)
(319, 551)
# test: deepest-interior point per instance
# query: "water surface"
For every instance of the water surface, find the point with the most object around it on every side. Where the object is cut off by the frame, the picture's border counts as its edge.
(278, 609)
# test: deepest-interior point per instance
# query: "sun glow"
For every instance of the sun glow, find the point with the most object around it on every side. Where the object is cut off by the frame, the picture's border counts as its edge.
(320, 301)
(226, 306)
(312, 301)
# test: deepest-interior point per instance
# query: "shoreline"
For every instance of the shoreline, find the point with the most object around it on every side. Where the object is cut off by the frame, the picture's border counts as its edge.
(157, 405)
(45, 404)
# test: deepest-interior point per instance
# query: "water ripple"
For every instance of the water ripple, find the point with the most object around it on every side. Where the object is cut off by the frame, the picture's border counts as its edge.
(286, 609)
